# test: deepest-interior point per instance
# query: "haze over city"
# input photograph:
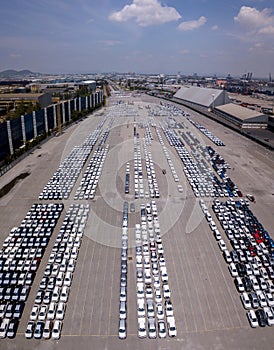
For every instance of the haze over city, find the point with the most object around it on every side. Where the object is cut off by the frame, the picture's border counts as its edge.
(201, 36)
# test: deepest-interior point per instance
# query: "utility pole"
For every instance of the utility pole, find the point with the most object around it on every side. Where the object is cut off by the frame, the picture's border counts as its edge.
(59, 125)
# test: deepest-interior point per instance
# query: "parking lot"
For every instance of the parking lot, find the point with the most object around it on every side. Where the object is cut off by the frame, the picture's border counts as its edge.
(135, 140)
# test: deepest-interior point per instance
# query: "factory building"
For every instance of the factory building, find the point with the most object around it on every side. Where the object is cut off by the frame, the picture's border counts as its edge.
(217, 101)
(242, 116)
(201, 97)
(11, 101)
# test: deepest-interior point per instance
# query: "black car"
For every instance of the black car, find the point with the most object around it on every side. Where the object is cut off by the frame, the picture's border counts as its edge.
(39, 330)
(234, 256)
(241, 269)
(247, 284)
(12, 328)
(254, 300)
(261, 317)
(10, 310)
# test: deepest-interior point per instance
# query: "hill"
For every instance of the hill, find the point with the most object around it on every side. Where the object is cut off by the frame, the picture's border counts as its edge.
(11, 73)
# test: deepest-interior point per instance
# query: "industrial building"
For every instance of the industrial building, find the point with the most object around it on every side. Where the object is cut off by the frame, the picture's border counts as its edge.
(242, 116)
(218, 102)
(11, 101)
(201, 97)
(63, 87)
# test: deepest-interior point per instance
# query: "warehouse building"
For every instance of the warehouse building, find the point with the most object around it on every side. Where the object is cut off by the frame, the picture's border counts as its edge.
(194, 96)
(217, 101)
(11, 101)
(242, 116)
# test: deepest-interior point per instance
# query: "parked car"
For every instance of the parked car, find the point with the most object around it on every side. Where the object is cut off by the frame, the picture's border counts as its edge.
(56, 330)
(252, 317)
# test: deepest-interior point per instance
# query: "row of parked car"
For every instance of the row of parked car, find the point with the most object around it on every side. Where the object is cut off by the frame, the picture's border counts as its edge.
(50, 303)
(127, 179)
(64, 178)
(170, 163)
(138, 171)
(167, 110)
(207, 133)
(154, 307)
(220, 165)
(122, 331)
(250, 262)
(202, 180)
(148, 135)
(151, 175)
(90, 179)
(20, 258)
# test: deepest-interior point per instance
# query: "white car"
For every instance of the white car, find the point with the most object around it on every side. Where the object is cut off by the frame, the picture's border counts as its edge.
(164, 275)
(255, 283)
(161, 329)
(222, 245)
(217, 235)
(227, 256)
(142, 332)
(169, 308)
(68, 279)
(149, 292)
(270, 285)
(34, 313)
(158, 295)
(56, 330)
(123, 310)
(233, 270)
(55, 294)
(252, 318)
(269, 298)
(122, 329)
(152, 328)
(141, 307)
(239, 284)
(47, 329)
(71, 265)
(160, 311)
(261, 298)
(246, 301)
(64, 294)
(51, 311)
(43, 313)
(269, 316)
(172, 331)
(4, 327)
(30, 329)
(160, 249)
(60, 312)
(140, 290)
(166, 291)
(249, 270)
(150, 308)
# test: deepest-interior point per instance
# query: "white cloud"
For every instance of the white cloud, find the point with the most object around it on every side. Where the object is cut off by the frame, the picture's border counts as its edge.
(110, 42)
(215, 27)
(184, 51)
(15, 55)
(191, 25)
(146, 13)
(256, 22)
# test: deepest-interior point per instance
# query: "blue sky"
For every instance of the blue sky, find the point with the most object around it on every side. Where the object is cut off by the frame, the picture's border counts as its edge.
(142, 36)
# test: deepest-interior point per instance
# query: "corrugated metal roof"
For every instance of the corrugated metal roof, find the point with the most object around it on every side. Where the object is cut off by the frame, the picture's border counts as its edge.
(20, 96)
(239, 112)
(198, 95)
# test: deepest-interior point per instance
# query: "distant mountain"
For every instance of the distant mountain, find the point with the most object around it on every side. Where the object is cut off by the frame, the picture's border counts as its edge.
(11, 73)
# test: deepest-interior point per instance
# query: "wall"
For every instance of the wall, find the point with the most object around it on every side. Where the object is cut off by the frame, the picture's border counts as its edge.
(16, 132)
